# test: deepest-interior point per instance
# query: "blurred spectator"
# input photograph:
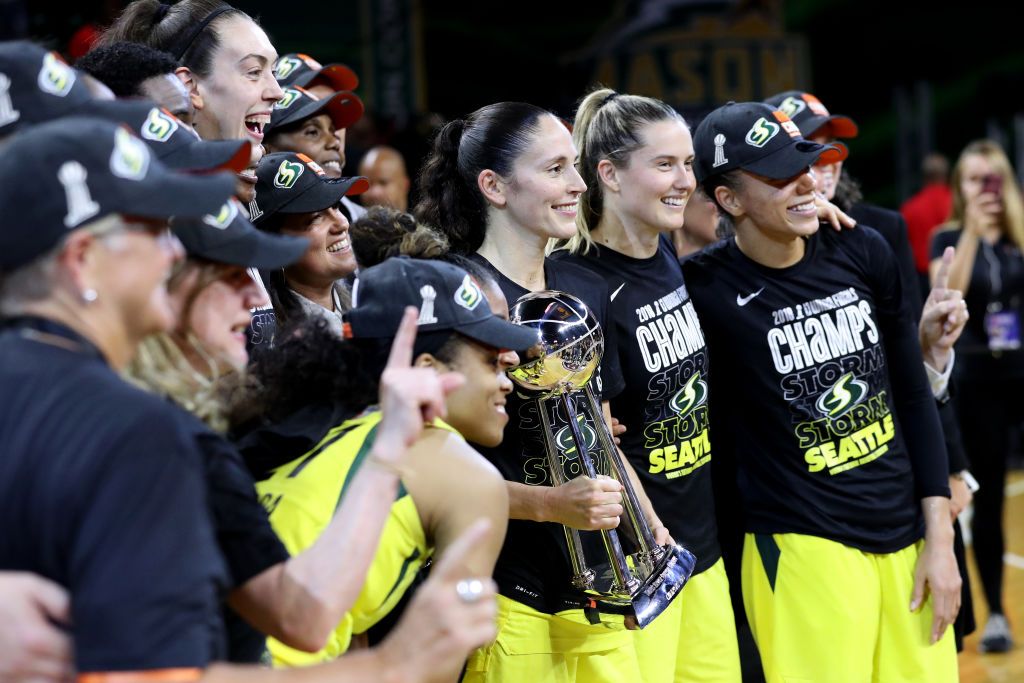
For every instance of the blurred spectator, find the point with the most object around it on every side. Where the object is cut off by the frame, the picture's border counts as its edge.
(928, 209)
(987, 229)
(384, 167)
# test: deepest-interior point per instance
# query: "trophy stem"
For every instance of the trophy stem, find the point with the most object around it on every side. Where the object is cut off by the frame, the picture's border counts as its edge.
(624, 579)
(646, 538)
(583, 576)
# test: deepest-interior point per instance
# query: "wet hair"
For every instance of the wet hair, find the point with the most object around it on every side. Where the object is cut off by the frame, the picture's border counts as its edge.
(608, 126)
(492, 137)
(1013, 206)
(184, 29)
(123, 67)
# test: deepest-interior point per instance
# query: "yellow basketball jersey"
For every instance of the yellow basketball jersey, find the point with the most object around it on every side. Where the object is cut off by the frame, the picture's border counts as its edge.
(301, 498)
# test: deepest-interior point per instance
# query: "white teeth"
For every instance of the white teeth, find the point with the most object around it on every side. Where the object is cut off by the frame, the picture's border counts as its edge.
(343, 243)
(673, 201)
(332, 165)
(249, 173)
(806, 206)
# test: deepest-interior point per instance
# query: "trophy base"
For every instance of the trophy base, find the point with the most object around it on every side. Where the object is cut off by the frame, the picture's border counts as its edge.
(653, 594)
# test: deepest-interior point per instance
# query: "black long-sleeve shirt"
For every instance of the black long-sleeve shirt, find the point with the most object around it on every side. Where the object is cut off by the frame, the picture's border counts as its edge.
(820, 385)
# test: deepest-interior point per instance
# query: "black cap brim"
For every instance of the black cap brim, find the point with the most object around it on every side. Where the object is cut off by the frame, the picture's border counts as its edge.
(501, 334)
(344, 108)
(211, 155)
(249, 248)
(835, 126)
(179, 194)
(324, 194)
(794, 159)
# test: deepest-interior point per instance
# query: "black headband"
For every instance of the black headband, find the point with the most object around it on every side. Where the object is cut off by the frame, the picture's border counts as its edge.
(608, 99)
(190, 38)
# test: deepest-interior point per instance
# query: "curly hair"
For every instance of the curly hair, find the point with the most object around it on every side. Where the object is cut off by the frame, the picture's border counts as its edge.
(123, 66)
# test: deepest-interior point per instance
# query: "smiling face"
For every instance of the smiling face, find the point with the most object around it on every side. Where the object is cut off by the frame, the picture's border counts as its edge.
(329, 256)
(477, 408)
(218, 314)
(782, 210)
(315, 137)
(543, 194)
(657, 181)
(235, 99)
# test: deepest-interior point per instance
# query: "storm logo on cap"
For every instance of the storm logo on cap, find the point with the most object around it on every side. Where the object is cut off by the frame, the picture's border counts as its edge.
(55, 77)
(222, 219)
(792, 106)
(468, 295)
(290, 95)
(761, 132)
(159, 126)
(287, 173)
(130, 158)
(285, 66)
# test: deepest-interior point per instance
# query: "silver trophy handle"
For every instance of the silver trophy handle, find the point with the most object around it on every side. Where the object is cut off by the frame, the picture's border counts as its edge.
(583, 576)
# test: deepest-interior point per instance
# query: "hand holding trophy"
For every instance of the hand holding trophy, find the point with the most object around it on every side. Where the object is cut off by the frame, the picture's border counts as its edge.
(642, 581)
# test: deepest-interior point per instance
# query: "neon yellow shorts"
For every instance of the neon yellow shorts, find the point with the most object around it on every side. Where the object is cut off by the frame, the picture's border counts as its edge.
(695, 638)
(534, 647)
(822, 611)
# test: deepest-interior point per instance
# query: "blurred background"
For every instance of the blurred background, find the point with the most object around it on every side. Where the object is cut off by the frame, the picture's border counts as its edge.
(916, 77)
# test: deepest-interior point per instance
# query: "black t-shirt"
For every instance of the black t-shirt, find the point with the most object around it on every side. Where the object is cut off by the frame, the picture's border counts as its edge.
(534, 566)
(820, 385)
(996, 285)
(664, 404)
(244, 535)
(101, 492)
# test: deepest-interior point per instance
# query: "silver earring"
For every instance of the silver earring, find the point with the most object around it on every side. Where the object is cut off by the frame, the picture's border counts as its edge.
(90, 296)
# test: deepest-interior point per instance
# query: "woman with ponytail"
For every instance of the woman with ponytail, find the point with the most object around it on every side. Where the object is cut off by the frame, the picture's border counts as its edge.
(499, 185)
(636, 156)
(225, 61)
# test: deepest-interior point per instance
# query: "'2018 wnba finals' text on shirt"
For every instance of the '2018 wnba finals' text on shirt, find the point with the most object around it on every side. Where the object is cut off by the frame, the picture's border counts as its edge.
(828, 353)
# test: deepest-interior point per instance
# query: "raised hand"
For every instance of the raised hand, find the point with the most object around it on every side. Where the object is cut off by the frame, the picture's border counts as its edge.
(943, 317)
(409, 397)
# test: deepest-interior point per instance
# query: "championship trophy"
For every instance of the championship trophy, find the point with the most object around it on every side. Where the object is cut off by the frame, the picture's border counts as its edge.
(642, 581)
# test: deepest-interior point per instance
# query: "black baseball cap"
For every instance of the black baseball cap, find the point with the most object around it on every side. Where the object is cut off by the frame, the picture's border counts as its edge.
(298, 104)
(173, 141)
(810, 115)
(446, 296)
(36, 86)
(287, 182)
(758, 138)
(57, 176)
(296, 68)
(227, 236)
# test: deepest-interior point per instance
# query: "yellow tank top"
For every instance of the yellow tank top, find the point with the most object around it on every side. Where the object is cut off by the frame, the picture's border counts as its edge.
(301, 498)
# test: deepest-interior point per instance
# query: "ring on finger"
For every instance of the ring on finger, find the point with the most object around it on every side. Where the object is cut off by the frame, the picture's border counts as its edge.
(469, 590)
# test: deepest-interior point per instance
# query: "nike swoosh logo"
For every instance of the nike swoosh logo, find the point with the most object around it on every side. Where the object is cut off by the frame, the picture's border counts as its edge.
(616, 292)
(744, 300)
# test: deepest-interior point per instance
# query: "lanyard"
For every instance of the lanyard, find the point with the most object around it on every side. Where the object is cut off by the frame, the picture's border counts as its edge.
(995, 274)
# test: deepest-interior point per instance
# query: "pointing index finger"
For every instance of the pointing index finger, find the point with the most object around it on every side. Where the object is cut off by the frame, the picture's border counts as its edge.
(405, 338)
(942, 274)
